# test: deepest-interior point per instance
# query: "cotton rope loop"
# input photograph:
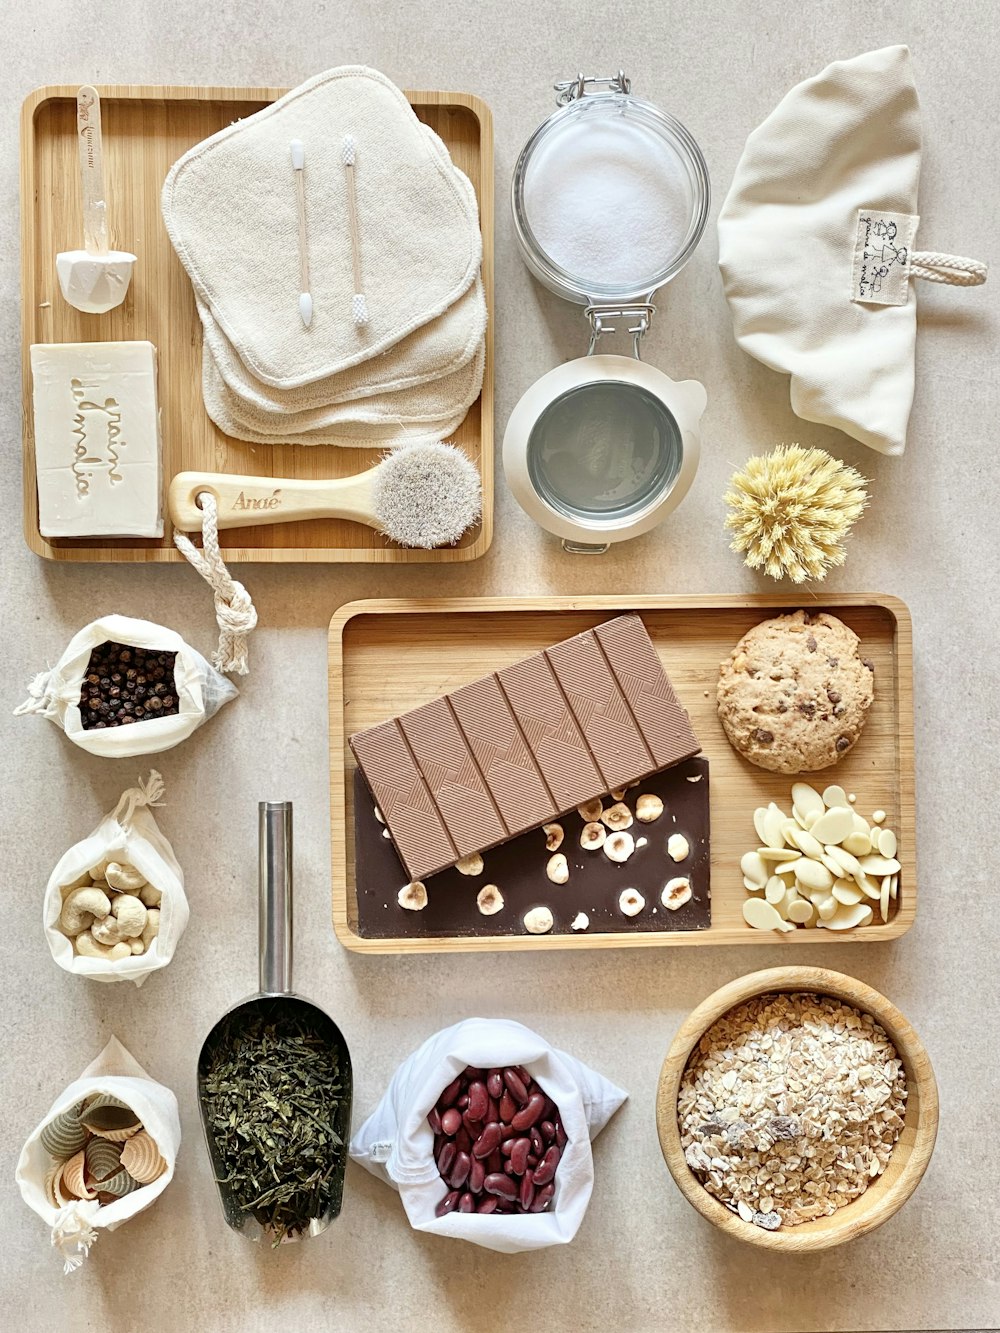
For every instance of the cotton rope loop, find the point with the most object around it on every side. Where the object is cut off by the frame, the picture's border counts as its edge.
(147, 793)
(234, 611)
(954, 270)
(38, 696)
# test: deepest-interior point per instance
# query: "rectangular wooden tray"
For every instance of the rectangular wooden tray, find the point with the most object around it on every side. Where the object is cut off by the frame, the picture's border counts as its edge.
(388, 656)
(146, 129)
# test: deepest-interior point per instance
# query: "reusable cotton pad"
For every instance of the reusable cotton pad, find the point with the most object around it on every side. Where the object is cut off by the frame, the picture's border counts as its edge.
(230, 208)
(816, 244)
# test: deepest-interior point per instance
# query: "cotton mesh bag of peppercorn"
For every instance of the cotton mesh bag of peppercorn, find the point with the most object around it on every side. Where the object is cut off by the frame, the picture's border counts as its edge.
(467, 1074)
(125, 687)
(115, 907)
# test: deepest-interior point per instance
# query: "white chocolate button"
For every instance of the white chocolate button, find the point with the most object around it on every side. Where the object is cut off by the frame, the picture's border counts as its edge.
(887, 843)
(813, 874)
(761, 915)
(835, 825)
(754, 869)
(806, 799)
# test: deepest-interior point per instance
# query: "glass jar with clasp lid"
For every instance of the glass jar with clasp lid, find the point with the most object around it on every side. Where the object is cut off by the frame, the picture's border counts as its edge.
(610, 198)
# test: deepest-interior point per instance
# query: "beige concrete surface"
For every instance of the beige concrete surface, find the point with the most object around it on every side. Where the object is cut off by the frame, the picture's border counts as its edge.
(642, 1260)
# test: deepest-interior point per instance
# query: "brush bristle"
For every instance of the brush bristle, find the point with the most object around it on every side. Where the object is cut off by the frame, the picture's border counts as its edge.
(426, 495)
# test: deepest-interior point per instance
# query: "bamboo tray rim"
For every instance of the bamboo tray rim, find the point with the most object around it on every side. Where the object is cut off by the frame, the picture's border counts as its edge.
(91, 550)
(499, 605)
(888, 1193)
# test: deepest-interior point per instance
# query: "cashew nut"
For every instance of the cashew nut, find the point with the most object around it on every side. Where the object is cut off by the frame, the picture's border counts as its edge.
(124, 877)
(137, 946)
(106, 931)
(150, 895)
(80, 908)
(88, 947)
(99, 872)
(152, 927)
(130, 916)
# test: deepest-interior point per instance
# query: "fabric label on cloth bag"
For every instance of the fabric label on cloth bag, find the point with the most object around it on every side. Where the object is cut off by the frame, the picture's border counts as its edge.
(882, 250)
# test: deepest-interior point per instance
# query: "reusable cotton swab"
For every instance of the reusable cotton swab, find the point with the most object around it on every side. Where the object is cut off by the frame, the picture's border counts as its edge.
(359, 306)
(298, 167)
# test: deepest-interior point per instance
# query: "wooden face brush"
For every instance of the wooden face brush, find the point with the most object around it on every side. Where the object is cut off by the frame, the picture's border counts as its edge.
(421, 495)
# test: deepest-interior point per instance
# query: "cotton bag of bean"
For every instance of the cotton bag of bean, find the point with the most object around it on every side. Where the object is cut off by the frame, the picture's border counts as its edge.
(115, 907)
(196, 690)
(74, 1225)
(396, 1143)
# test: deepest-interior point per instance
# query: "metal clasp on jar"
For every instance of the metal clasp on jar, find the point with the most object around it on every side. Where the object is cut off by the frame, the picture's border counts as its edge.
(639, 315)
(568, 90)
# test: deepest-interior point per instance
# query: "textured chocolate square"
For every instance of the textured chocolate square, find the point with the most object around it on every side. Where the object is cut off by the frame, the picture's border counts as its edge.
(452, 777)
(664, 723)
(503, 755)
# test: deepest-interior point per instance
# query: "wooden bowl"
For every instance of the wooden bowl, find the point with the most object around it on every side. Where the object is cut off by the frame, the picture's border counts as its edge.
(909, 1157)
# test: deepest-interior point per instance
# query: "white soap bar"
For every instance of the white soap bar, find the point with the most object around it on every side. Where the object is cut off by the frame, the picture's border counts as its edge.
(97, 439)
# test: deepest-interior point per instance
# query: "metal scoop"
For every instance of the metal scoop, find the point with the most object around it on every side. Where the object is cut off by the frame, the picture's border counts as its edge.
(275, 996)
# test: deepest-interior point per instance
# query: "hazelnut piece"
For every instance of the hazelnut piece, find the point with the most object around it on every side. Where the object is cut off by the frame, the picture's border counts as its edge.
(590, 810)
(631, 902)
(557, 868)
(470, 865)
(678, 847)
(413, 896)
(553, 837)
(676, 892)
(592, 837)
(489, 900)
(648, 808)
(619, 847)
(538, 921)
(617, 817)
(580, 922)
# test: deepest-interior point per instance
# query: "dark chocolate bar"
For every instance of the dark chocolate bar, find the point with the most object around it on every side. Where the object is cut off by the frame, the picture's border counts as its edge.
(522, 746)
(517, 868)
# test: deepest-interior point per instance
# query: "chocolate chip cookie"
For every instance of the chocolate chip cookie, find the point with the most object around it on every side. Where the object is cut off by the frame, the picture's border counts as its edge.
(794, 694)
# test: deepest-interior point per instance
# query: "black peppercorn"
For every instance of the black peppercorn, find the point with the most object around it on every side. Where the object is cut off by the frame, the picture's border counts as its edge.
(124, 685)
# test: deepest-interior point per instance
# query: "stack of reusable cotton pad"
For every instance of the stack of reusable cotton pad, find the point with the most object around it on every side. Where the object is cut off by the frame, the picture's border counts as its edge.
(386, 211)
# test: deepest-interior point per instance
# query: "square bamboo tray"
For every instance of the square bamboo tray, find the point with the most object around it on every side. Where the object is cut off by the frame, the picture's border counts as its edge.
(146, 129)
(386, 657)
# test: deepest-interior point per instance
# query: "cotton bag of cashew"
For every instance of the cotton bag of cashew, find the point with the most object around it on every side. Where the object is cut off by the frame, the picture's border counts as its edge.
(396, 1142)
(114, 1078)
(115, 907)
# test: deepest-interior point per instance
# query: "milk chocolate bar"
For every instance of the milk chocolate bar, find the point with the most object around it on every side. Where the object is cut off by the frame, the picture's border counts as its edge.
(524, 745)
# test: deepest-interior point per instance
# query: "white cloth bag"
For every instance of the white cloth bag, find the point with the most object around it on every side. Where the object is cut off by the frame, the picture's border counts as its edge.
(129, 833)
(396, 1143)
(201, 690)
(816, 246)
(74, 1227)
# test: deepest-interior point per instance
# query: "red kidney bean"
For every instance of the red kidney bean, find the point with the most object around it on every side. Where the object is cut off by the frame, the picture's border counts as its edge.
(561, 1138)
(463, 1102)
(451, 1122)
(537, 1146)
(508, 1167)
(522, 1074)
(466, 1204)
(463, 1140)
(434, 1119)
(494, 1163)
(507, 1147)
(516, 1086)
(494, 1083)
(449, 1095)
(477, 1174)
(503, 1207)
(460, 1170)
(547, 1130)
(493, 1108)
(543, 1198)
(479, 1101)
(446, 1158)
(519, 1156)
(487, 1205)
(472, 1126)
(527, 1194)
(448, 1204)
(507, 1107)
(532, 1160)
(546, 1168)
(489, 1140)
(474, 1075)
(530, 1113)
(501, 1185)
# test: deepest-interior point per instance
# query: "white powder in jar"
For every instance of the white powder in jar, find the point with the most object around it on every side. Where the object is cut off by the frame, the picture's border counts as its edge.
(608, 200)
